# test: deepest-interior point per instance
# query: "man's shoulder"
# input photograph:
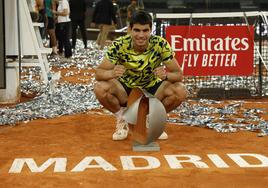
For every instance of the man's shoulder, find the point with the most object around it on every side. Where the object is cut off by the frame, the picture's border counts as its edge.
(157, 39)
(119, 45)
(123, 39)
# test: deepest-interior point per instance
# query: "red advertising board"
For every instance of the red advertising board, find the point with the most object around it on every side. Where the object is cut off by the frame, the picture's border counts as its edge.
(213, 50)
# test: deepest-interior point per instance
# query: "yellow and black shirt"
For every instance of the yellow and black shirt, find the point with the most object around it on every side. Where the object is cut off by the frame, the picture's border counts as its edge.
(139, 66)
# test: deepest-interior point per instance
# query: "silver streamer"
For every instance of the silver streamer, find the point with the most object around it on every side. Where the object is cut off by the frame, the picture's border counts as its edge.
(222, 119)
(64, 100)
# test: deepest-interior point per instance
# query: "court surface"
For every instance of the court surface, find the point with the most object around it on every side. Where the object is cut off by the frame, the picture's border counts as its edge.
(77, 151)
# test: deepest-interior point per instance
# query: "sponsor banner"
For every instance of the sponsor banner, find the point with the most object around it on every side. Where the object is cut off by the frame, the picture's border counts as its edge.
(213, 50)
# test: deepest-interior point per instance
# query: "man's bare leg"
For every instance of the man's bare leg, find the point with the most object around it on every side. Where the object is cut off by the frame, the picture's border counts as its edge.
(171, 94)
(111, 94)
(53, 40)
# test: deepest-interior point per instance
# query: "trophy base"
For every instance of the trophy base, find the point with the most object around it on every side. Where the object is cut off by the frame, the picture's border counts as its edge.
(153, 146)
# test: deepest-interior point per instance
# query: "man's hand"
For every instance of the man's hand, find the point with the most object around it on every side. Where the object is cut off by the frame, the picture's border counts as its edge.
(118, 71)
(160, 72)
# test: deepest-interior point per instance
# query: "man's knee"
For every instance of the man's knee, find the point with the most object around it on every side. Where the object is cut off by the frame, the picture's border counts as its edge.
(181, 92)
(100, 90)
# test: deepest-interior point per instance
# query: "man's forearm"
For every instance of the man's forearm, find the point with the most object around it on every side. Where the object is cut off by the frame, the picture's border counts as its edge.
(174, 76)
(104, 75)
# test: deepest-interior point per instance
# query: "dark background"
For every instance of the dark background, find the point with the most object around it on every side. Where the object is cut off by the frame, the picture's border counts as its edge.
(177, 6)
(2, 43)
(185, 6)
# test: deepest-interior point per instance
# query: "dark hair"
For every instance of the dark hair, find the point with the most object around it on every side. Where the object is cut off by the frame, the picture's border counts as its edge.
(141, 17)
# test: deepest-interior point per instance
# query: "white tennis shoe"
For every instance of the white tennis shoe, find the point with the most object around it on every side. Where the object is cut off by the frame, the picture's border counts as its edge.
(163, 136)
(121, 130)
